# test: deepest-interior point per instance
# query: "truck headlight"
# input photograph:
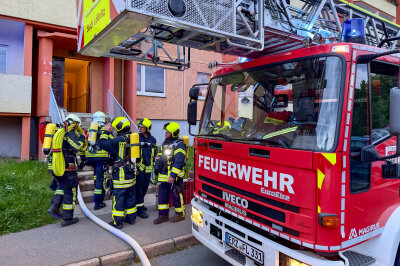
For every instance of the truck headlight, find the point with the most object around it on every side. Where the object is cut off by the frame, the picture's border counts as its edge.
(197, 216)
(285, 260)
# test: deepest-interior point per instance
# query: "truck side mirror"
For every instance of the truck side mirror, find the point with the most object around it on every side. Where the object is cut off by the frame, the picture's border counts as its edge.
(194, 93)
(192, 113)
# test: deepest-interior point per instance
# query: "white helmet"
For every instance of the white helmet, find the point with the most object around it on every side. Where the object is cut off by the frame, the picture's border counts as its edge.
(99, 117)
(74, 118)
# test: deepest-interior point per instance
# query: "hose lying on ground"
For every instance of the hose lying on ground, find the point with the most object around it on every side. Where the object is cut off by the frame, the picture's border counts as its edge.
(136, 247)
(58, 157)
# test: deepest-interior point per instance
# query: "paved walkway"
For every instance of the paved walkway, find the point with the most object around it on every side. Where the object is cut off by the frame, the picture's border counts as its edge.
(54, 245)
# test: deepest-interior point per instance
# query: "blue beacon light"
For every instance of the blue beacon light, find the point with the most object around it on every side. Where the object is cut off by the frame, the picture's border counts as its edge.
(354, 30)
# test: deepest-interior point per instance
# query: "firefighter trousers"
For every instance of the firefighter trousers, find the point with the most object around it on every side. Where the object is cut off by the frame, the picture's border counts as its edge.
(142, 184)
(68, 184)
(166, 189)
(58, 195)
(124, 200)
(99, 182)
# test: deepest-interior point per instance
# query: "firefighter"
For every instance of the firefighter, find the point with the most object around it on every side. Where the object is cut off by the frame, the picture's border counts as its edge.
(124, 176)
(70, 144)
(98, 158)
(170, 163)
(148, 152)
(219, 127)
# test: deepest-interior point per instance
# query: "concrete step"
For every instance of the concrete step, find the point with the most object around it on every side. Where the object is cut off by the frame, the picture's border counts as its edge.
(86, 185)
(87, 195)
(86, 175)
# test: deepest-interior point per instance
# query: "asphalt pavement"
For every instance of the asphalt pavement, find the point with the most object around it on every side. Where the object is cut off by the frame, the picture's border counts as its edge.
(86, 243)
(194, 256)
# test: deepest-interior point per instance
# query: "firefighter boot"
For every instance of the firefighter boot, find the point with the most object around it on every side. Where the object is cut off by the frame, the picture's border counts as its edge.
(160, 219)
(129, 222)
(69, 222)
(99, 206)
(177, 218)
(142, 213)
(54, 210)
(118, 226)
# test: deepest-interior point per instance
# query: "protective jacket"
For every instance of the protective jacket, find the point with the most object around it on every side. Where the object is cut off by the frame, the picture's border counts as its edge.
(123, 174)
(124, 178)
(66, 191)
(95, 154)
(148, 151)
(71, 145)
(172, 159)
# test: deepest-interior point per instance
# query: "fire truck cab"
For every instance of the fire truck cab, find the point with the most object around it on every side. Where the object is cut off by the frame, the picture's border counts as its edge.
(296, 158)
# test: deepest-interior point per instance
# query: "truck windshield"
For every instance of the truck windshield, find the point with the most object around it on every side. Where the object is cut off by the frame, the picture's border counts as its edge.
(291, 105)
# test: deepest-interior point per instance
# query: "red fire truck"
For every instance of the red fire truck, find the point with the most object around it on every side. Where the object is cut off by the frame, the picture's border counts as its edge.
(296, 154)
(300, 179)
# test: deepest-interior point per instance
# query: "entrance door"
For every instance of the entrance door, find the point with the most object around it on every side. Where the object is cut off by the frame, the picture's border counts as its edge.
(71, 84)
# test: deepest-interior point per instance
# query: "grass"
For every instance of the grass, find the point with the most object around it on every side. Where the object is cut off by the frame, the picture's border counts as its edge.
(24, 195)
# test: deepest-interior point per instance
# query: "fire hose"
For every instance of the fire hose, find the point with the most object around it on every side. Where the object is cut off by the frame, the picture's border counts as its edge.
(136, 247)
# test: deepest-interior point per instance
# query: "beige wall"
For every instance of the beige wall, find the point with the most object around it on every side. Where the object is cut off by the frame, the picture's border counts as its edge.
(15, 93)
(57, 12)
(383, 5)
(178, 84)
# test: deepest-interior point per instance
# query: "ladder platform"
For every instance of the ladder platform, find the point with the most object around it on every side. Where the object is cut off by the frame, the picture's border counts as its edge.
(136, 30)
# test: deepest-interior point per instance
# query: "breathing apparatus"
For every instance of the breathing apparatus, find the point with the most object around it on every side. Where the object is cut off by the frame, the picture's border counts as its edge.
(132, 147)
(99, 119)
(71, 123)
(94, 127)
(48, 137)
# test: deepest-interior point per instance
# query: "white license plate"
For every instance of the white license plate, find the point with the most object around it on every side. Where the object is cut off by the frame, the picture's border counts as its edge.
(244, 248)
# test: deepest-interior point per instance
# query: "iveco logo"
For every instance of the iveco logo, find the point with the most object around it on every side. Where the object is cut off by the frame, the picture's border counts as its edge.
(235, 199)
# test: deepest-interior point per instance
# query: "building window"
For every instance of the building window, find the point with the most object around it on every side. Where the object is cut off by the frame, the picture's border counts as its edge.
(203, 78)
(150, 81)
(3, 66)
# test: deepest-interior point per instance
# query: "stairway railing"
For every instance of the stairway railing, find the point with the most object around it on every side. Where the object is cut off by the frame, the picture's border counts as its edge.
(57, 116)
(114, 109)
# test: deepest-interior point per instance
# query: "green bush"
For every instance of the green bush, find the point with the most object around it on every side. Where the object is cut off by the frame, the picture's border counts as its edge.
(189, 161)
(24, 195)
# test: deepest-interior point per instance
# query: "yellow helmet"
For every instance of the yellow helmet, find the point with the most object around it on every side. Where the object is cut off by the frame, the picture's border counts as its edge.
(145, 122)
(226, 124)
(121, 124)
(172, 128)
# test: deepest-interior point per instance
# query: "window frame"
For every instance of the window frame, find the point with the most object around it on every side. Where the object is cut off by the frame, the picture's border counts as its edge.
(370, 122)
(369, 126)
(142, 91)
(378, 141)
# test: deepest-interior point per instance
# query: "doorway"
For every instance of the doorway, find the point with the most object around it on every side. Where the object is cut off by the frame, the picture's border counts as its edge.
(71, 84)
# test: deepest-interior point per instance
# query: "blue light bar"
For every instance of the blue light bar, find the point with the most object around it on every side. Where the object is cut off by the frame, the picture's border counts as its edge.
(354, 30)
(244, 59)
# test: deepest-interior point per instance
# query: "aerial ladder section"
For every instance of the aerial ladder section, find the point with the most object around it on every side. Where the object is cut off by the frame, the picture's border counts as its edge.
(137, 29)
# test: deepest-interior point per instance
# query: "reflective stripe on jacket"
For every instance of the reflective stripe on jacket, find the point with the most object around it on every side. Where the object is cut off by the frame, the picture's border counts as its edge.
(175, 161)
